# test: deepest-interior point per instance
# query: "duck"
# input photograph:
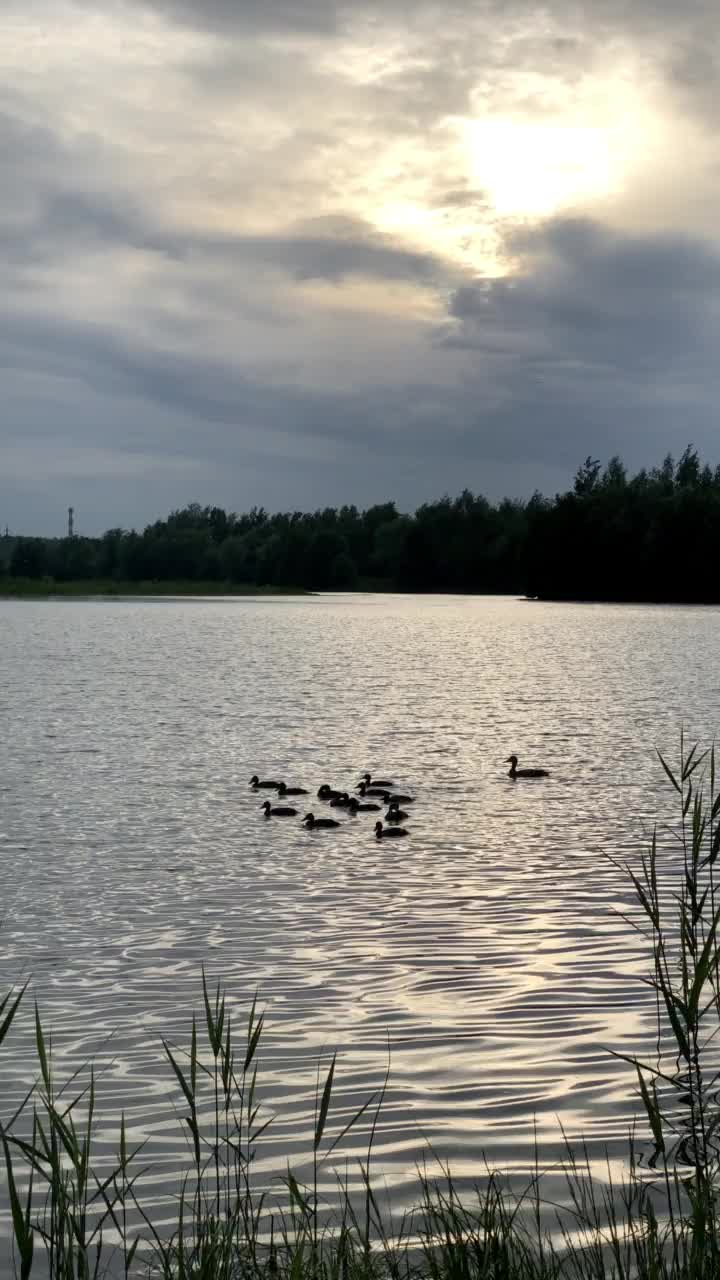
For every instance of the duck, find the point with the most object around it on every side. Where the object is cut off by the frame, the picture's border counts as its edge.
(291, 791)
(375, 782)
(356, 806)
(341, 801)
(280, 811)
(382, 832)
(311, 822)
(396, 814)
(398, 800)
(255, 783)
(365, 790)
(514, 772)
(327, 793)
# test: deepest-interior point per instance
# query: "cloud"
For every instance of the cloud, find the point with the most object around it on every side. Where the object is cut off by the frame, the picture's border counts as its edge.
(598, 336)
(329, 249)
(261, 242)
(610, 301)
(273, 16)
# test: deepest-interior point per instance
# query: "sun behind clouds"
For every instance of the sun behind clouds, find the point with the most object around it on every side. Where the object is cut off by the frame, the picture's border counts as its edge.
(580, 157)
(533, 169)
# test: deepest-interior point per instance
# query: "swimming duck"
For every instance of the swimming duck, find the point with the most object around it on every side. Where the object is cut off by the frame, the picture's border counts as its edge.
(365, 790)
(396, 814)
(291, 791)
(311, 822)
(398, 800)
(255, 783)
(514, 772)
(327, 793)
(280, 811)
(375, 782)
(355, 806)
(341, 801)
(382, 832)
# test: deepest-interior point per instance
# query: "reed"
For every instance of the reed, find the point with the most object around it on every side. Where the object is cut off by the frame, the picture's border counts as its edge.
(71, 1220)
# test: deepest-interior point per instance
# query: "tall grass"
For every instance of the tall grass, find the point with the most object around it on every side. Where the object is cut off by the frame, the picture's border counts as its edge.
(72, 1219)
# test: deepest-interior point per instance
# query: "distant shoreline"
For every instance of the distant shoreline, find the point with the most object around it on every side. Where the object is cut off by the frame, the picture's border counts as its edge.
(106, 589)
(39, 589)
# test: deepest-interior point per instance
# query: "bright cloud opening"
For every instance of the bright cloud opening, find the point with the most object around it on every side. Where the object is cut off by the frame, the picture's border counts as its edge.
(535, 169)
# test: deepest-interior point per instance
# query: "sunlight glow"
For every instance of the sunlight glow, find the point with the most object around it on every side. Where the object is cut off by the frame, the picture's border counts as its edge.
(507, 168)
(459, 236)
(534, 169)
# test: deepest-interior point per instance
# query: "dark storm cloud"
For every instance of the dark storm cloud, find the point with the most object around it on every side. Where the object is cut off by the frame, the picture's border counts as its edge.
(202, 388)
(598, 339)
(633, 304)
(597, 333)
(208, 390)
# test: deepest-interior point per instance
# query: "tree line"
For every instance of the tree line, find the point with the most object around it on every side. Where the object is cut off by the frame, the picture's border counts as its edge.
(651, 536)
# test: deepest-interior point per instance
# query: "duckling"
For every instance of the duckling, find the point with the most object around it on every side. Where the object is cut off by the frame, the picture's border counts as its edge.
(396, 814)
(311, 822)
(341, 801)
(280, 811)
(382, 832)
(514, 772)
(355, 806)
(291, 791)
(327, 793)
(365, 790)
(375, 782)
(255, 783)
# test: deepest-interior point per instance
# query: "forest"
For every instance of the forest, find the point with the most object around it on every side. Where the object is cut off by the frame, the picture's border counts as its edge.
(652, 536)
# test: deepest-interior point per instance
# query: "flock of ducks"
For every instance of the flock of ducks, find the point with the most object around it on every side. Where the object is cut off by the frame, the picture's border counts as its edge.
(369, 790)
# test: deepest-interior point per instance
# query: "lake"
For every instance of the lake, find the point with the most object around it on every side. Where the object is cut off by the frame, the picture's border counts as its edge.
(484, 955)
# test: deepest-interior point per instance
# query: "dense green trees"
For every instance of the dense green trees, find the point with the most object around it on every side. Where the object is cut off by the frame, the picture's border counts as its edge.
(655, 536)
(652, 536)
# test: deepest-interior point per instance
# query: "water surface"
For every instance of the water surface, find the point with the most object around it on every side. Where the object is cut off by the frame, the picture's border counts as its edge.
(485, 954)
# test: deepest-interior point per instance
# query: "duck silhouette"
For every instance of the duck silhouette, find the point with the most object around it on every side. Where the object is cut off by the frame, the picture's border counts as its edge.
(514, 772)
(357, 806)
(311, 822)
(376, 782)
(365, 790)
(396, 814)
(384, 833)
(327, 793)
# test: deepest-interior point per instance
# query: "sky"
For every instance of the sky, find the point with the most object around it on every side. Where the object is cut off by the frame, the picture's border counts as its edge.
(300, 253)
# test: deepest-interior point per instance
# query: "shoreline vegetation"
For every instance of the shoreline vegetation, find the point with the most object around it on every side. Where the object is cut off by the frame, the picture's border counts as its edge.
(84, 588)
(613, 537)
(71, 1219)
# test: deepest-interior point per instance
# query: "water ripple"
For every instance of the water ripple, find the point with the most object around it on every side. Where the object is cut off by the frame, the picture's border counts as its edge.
(484, 955)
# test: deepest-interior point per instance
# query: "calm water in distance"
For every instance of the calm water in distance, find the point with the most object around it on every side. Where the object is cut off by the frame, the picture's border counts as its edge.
(485, 953)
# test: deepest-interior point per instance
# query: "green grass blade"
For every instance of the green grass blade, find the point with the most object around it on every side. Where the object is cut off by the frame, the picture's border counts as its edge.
(24, 1238)
(179, 1074)
(8, 1018)
(41, 1050)
(669, 773)
(325, 1103)
(253, 1041)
